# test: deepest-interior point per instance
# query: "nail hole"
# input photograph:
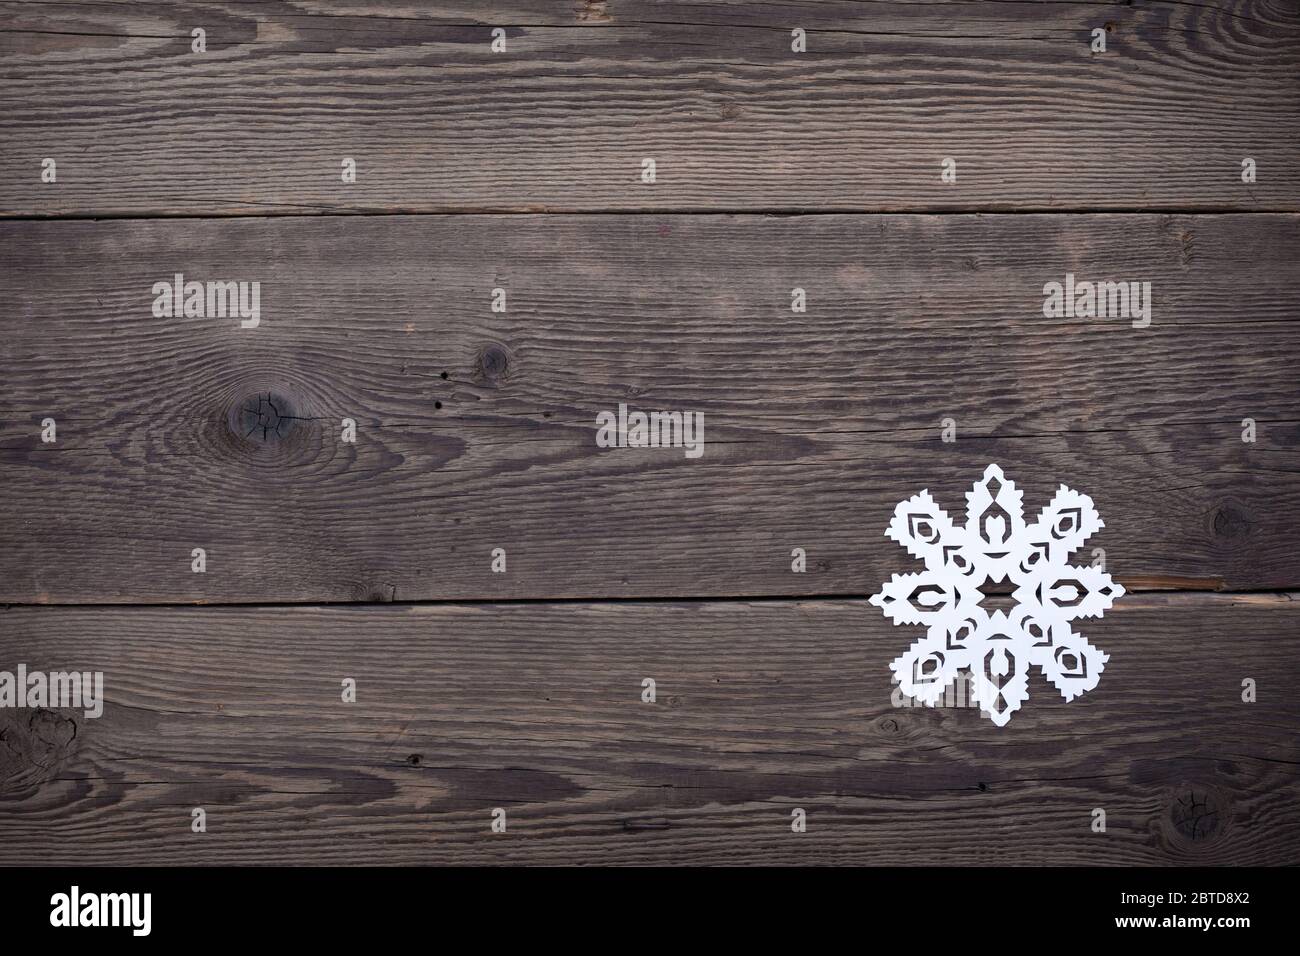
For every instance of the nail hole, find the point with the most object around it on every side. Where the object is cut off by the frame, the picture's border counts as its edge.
(437, 404)
(444, 375)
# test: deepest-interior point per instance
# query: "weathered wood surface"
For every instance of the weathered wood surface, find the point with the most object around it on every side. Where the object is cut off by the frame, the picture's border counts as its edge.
(536, 708)
(259, 124)
(476, 430)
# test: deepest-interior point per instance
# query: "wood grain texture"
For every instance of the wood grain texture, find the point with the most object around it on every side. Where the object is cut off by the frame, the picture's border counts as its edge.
(762, 707)
(476, 430)
(259, 124)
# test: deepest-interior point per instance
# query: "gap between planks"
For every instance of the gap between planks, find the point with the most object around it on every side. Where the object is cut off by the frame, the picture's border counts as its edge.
(1134, 598)
(784, 212)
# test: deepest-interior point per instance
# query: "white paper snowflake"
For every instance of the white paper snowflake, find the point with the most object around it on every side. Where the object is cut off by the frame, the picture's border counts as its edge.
(996, 545)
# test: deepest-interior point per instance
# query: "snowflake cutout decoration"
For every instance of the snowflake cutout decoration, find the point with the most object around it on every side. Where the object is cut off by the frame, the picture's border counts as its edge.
(996, 545)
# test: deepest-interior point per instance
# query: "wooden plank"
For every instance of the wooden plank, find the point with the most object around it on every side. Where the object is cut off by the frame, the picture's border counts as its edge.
(536, 708)
(476, 430)
(260, 123)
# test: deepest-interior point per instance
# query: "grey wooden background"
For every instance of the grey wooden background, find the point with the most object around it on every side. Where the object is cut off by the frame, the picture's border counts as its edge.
(476, 429)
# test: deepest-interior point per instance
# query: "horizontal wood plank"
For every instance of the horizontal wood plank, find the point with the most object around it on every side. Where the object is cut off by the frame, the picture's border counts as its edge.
(260, 123)
(476, 430)
(536, 708)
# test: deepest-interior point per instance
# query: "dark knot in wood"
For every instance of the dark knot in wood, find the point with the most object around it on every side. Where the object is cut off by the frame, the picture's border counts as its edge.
(493, 360)
(1231, 522)
(266, 417)
(1196, 813)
